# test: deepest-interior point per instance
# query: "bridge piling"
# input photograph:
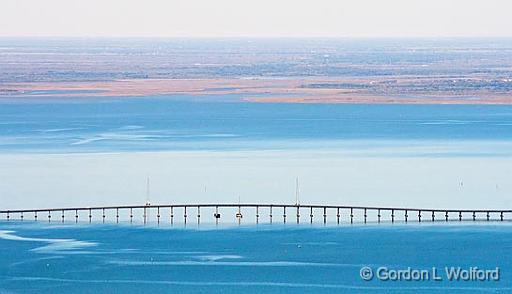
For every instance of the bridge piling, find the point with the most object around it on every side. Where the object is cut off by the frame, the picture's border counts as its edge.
(327, 211)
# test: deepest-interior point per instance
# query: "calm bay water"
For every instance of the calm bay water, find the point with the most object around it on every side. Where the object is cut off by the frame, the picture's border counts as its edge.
(220, 123)
(65, 152)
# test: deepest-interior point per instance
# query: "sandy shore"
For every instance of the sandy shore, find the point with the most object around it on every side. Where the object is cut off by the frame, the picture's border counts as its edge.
(285, 90)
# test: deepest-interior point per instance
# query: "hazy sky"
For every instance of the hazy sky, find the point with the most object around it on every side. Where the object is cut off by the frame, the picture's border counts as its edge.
(256, 18)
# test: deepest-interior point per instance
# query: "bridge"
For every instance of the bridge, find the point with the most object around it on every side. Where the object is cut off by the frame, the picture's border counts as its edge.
(252, 213)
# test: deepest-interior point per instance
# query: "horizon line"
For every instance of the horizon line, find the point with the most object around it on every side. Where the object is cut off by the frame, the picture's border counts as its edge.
(252, 37)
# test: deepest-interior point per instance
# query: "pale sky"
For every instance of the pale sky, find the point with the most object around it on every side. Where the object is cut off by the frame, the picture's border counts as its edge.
(257, 18)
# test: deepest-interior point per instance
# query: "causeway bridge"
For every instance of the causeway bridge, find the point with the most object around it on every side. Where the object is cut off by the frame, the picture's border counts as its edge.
(249, 213)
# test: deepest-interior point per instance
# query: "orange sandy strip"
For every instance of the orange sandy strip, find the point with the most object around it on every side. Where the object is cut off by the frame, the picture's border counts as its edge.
(156, 87)
(287, 90)
(369, 99)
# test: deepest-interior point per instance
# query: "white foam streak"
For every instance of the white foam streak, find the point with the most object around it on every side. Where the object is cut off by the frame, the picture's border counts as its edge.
(53, 246)
(232, 263)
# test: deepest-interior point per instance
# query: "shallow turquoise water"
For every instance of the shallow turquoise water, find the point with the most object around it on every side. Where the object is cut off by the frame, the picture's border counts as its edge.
(269, 258)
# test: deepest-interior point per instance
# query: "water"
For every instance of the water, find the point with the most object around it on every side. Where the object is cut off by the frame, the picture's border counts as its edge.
(220, 122)
(83, 152)
(271, 259)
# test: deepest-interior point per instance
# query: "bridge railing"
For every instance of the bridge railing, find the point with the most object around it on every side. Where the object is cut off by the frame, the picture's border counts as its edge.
(253, 213)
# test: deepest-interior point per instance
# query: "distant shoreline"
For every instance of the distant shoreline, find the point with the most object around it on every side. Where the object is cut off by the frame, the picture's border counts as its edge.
(347, 90)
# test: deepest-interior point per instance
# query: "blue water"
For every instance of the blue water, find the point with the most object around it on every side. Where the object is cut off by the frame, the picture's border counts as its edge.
(222, 122)
(266, 259)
